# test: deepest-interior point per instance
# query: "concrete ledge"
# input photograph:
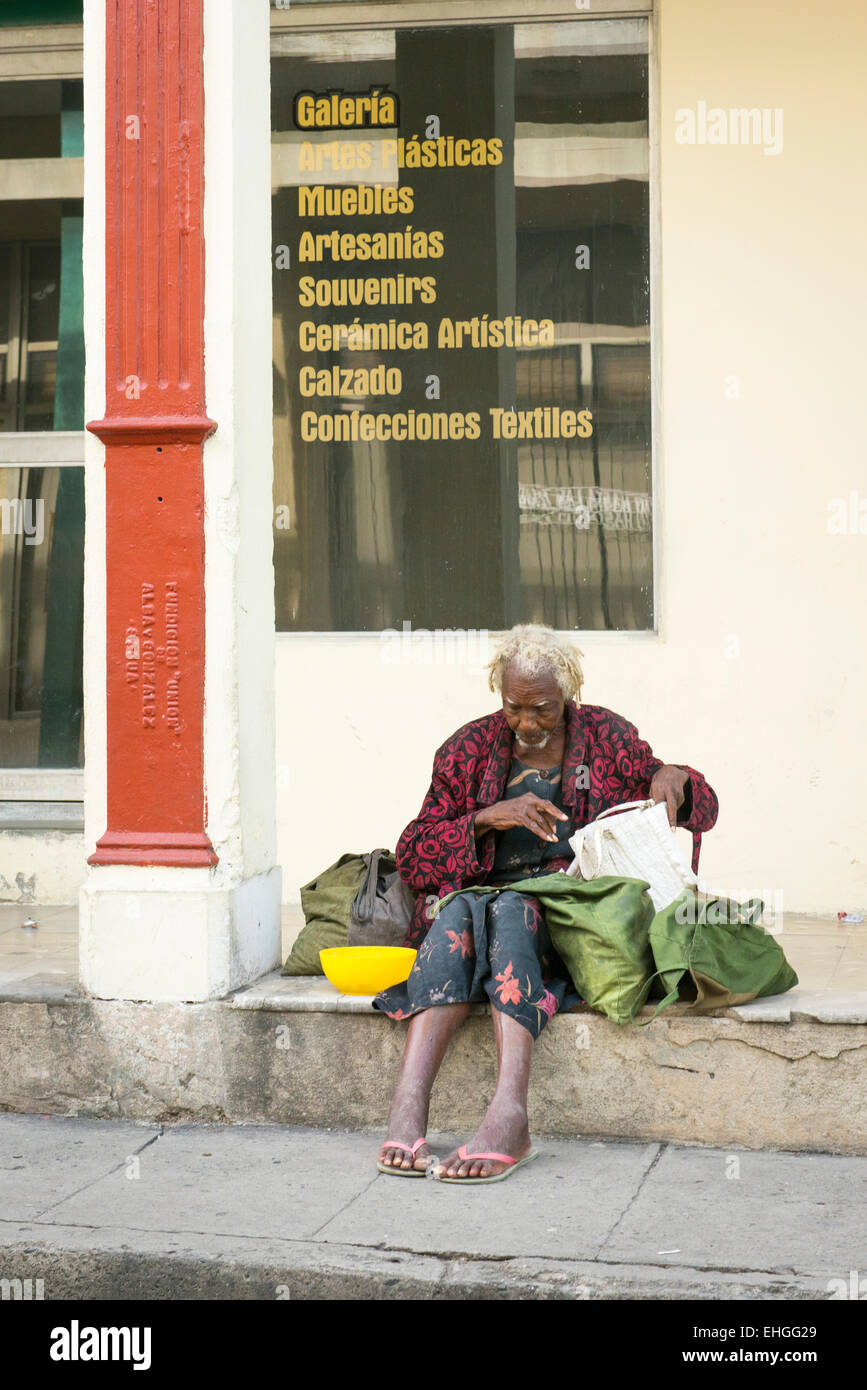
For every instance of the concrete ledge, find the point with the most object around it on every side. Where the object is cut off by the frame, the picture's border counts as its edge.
(716, 1080)
(815, 1005)
(313, 993)
(75, 1266)
(34, 817)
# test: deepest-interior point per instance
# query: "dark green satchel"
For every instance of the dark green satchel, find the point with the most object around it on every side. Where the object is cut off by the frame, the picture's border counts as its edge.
(326, 901)
(599, 928)
(710, 953)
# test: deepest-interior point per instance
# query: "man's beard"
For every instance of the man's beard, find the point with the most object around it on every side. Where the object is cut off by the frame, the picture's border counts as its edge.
(541, 742)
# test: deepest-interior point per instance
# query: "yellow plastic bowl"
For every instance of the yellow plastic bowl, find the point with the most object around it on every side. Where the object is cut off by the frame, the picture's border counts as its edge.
(366, 969)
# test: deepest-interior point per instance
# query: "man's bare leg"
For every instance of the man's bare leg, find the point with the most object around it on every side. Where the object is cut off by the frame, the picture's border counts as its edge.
(505, 1128)
(428, 1037)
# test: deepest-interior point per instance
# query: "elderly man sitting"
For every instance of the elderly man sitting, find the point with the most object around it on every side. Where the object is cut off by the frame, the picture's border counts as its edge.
(507, 792)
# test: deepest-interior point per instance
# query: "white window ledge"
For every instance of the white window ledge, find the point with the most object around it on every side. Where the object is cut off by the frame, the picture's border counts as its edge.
(41, 449)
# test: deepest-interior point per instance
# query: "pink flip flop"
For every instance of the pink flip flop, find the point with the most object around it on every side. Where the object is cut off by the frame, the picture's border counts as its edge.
(512, 1164)
(410, 1149)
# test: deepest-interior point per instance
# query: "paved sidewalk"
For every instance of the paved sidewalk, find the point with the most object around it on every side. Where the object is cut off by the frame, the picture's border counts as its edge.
(108, 1209)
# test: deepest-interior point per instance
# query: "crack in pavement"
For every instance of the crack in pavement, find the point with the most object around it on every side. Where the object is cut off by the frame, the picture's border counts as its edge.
(633, 1199)
(354, 1198)
(100, 1176)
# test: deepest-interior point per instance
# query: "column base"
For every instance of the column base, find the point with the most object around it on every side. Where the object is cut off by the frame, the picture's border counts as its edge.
(173, 849)
(174, 937)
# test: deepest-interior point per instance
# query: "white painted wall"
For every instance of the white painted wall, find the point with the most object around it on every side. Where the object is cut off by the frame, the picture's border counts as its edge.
(762, 278)
(40, 866)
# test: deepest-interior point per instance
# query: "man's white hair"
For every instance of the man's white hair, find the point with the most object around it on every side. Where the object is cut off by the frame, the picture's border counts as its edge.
(538, 651)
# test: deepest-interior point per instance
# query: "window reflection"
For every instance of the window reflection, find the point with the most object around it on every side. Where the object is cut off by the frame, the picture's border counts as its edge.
(41, 392)
(40, 618)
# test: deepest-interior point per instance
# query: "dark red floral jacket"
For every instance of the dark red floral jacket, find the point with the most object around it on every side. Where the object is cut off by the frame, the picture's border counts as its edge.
(605, 763)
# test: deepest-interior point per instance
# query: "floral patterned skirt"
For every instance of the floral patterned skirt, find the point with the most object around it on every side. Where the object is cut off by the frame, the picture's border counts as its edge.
(487, 947)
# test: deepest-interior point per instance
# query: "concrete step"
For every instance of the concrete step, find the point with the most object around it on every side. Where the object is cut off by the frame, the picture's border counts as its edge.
(778, 1073)
(786, 1072)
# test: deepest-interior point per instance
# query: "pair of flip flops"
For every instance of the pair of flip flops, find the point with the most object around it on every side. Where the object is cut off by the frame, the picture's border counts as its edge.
(511, 1163)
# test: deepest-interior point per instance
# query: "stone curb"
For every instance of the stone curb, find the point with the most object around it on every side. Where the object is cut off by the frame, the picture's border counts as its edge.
(307, 1272)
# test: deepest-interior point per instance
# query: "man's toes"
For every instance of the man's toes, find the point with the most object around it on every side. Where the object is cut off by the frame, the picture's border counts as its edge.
(397, 1158)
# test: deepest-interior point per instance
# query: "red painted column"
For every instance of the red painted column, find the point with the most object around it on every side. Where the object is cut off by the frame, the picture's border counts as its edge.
(154, 427)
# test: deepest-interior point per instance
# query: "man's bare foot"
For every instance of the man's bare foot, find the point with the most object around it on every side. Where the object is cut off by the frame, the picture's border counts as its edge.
(401, 1158)
(406, 1123)
(503, 1130)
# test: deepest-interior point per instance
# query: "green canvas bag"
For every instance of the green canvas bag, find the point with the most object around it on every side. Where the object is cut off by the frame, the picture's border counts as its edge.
(599, 928)
(711, 953)
(326, 901)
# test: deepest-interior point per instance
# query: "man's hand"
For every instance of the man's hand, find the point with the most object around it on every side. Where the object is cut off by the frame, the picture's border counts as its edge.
(536, 814)
(668, 785)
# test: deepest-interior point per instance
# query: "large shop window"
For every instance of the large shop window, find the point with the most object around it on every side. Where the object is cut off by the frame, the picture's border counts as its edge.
(41, 419)
(462, 402)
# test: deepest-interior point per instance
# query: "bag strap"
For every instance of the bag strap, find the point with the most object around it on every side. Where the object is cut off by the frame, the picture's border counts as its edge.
(625, 806)
(670, 998)
(365, 899)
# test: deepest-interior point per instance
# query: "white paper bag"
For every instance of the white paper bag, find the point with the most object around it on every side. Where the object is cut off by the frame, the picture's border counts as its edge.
(634, 840)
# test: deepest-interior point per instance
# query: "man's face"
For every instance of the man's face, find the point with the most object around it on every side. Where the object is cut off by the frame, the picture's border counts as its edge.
(533, 706)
